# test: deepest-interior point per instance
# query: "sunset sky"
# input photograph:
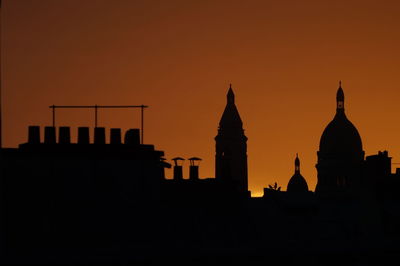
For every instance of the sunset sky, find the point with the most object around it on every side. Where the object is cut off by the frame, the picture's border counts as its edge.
(283, 58)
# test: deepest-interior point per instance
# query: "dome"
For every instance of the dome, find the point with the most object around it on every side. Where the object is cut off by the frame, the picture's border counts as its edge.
(340, 136)
(297, 183)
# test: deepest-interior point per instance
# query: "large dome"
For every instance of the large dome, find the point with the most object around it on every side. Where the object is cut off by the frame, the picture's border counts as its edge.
(340, 136)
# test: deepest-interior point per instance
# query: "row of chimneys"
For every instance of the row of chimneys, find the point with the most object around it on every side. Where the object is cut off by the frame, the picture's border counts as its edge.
(132, 136)
(193, 169)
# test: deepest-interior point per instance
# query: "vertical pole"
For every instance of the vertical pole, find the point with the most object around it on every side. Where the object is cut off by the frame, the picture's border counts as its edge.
(142, 121)
(95, 116)
(54, 115)
(1, 106)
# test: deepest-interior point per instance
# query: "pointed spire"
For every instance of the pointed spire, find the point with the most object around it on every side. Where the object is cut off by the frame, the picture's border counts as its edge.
(340, 98)
(297, 164)
(230, 118)
(230, 96)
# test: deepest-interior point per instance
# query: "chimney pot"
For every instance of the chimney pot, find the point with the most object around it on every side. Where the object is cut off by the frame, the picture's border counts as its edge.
(64, 136)
(99, 135)
(50, 135)
(34, 134)
(83, 135)
(193, 172)
(132, 137)
(115, 136)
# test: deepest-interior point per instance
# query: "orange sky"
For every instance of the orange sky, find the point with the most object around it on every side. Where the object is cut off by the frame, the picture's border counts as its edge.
(283, 58)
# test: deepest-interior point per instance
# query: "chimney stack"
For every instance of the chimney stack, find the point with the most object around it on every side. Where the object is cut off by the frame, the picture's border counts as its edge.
(132, 137)
(115, 136)
(83, 135)
(99, 135)
(194, 168)
(50, 135)
(64, 135)
(33, 134)
(178, 173)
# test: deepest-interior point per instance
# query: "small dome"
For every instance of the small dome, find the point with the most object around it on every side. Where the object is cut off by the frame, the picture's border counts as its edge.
(297, 183)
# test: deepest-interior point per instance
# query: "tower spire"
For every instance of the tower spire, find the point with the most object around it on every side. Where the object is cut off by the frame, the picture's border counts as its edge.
(230, 96)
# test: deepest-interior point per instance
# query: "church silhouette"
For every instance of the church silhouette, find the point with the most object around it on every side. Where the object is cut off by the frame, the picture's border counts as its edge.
(110, 202)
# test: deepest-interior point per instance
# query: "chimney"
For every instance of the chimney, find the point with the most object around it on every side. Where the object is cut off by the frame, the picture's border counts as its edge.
(83, 135)
(132, 137)
(99, 135)
(194, 168)
(33, 134)
(115, 136)
(64, 136)
(178, 173)
(50, 135)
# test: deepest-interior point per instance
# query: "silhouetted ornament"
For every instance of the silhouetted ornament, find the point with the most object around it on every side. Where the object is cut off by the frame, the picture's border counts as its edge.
(340, 136)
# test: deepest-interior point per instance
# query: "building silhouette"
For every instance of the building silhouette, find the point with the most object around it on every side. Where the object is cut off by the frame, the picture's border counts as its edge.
(231, 148)
(340, 155)
(110, 202)
(231, 178)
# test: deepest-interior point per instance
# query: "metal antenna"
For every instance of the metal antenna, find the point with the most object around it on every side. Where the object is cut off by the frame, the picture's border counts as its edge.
(97, 107)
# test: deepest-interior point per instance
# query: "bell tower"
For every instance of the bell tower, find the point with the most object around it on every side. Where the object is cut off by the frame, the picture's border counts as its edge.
(231, 149)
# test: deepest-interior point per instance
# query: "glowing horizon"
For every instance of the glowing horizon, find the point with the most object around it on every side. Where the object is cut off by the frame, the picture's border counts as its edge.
(284, 61)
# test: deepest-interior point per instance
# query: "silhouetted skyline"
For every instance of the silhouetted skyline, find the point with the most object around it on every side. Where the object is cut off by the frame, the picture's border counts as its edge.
(108, 200)
(284, 62)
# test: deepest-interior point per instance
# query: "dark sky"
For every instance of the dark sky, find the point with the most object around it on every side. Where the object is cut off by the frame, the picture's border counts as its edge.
(283, 58)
